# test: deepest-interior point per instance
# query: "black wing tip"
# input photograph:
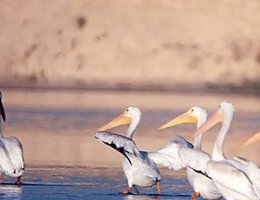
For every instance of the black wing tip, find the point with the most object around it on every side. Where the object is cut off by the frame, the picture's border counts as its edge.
(2, 110)
(113, 144)
(3, 116)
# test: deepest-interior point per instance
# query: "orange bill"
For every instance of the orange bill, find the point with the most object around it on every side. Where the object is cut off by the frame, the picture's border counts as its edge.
(213, 120)
(251, 140)
(181, 119)
(118, 121)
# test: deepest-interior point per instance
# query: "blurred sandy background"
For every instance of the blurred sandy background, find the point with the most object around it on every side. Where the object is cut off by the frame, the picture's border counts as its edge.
(138, 44)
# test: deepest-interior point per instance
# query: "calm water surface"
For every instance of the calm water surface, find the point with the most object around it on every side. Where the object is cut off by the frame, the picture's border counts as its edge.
(63, 160)
(58, 182)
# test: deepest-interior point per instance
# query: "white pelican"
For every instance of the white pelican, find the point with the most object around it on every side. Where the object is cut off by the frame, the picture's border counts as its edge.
(140, 167)
(230, 176)
(11, 162)
(195, 158)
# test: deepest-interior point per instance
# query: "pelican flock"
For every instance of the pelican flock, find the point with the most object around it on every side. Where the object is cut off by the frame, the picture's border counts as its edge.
(11, 152)
(140, 167)
(212, 176)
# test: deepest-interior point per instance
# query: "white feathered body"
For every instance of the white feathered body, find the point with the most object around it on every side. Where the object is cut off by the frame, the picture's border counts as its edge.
(202, 184)
(232, 183)
(142, 172)
(232, 177)
(11, 151)
(250, 169)
(14, 151)
(6, 166)
(137, 166)
(196, 162)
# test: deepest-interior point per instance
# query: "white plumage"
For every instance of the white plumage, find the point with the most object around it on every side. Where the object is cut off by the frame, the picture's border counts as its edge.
(15, 152)
(11, 152)
(194, 159)
(140, 167)
(231, 176)
(5, 165)
(168, 156)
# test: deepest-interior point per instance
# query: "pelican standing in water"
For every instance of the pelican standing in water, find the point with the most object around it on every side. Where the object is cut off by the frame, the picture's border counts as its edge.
(195, 159)
(11, 153)
(140, 167)
(232, 177)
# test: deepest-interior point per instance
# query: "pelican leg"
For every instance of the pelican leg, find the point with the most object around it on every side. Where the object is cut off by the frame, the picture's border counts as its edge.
(195, 195)
(158, 188)
(136, 189)
(18, 181)
(127, 190)
(0, 178)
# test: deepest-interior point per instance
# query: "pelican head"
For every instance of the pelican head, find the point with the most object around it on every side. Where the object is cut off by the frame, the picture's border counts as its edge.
(225, 111)
(2, 110)
(252, 139)
(196, 115)
(129, 115)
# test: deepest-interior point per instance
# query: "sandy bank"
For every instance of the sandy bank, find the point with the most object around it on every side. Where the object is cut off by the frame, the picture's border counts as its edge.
(140, 43)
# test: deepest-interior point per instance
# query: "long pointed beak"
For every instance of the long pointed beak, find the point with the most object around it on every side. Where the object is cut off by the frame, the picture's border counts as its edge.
(118, 121)
(251, 140)
(213, 120)
(181, 119)
(2, 110)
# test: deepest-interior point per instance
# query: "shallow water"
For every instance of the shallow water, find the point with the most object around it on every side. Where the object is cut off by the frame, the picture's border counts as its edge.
(64, 161)
(56, 182)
